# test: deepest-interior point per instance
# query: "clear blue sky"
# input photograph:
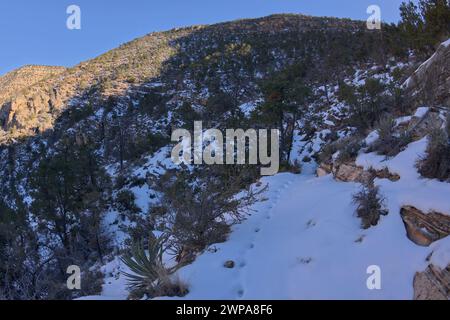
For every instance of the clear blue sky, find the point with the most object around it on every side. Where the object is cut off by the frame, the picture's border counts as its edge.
(34, 32)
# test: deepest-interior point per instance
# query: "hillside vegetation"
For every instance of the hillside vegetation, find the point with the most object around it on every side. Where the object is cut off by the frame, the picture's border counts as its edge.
(87, 177)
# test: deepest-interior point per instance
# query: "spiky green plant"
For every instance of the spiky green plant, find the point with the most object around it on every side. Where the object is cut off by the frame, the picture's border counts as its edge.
(146, 265)
(148, 274)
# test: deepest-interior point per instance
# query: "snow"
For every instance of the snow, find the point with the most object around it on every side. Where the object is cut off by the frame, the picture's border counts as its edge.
(303, 244)
(402, 120)
(446, 43)
(421, 112)
(441, 253)
(115, 285)
(249, 107)
(305, 241)
(372, 137)
(424, 194)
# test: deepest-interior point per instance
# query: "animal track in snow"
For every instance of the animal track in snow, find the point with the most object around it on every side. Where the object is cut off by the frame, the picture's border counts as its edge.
(311, 223)
(276, 199)
(307, 260)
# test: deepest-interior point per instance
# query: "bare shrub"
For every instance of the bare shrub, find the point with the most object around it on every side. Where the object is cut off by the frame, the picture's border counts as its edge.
(348, 148)
(370, 205)
(390, 142)
(196, 208)
(436, 163)
(295, 167)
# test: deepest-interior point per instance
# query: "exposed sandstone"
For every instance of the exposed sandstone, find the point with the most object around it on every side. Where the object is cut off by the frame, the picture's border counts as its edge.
(432, 284)
(350, 172)
(425, 228)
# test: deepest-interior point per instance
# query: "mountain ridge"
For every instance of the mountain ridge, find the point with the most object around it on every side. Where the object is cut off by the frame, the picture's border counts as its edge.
(114, 72)
(87, 172)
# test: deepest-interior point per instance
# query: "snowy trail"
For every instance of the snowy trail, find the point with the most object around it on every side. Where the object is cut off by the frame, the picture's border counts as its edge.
(306, 243)
(295, 225)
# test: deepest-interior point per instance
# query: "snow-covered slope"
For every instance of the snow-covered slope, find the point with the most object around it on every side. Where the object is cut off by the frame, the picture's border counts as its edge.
(305, 242)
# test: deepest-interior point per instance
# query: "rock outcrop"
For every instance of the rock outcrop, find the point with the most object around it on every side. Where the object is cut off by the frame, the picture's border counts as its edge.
(425, 228)
(31, 106)
(350, 172)
(419, 127)
(16, 81)
(430, 84)
(432, 284)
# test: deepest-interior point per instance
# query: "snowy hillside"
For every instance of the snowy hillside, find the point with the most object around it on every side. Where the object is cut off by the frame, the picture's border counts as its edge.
(359, 131)
(305, 242)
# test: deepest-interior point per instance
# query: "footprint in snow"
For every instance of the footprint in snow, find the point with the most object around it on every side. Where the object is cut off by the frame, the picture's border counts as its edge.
(311, 223)
(307, 260)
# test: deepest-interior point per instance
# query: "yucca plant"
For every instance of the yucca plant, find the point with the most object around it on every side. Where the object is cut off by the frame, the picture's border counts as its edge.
(146, 265)
(148, 274)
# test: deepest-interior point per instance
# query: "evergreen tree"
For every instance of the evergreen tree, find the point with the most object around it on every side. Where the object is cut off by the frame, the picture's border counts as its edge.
(426, 24)
(286, 95)
(70, 194)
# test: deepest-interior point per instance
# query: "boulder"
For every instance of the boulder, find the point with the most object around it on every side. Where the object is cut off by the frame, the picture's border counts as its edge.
(420, 127)
(432, 284)
(350, 172)
(425, 228)
(385, 174)
(324, 169)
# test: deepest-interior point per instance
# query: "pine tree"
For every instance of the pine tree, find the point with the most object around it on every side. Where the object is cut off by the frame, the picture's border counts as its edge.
(70, 193)
(425, 25)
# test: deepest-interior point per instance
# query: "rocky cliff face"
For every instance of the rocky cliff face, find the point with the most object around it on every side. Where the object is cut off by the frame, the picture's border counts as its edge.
(16, 81)
(30, 107)
(431, 82)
